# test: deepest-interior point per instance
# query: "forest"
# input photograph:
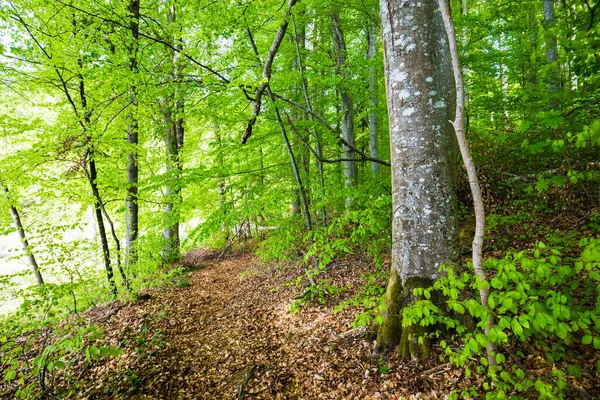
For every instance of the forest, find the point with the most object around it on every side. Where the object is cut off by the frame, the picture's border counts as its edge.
(297, 199)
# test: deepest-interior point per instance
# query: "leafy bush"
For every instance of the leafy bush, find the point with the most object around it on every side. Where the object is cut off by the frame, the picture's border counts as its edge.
(540, 303)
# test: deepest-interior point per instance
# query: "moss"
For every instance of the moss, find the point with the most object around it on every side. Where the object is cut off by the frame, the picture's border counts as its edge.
(391, 332)
(388, 334)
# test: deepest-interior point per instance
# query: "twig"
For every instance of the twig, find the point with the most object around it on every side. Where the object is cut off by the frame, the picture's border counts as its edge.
(111, 313)
(436, 368)
(240, 392)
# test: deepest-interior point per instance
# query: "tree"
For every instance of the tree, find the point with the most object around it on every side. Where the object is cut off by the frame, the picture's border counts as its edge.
(341, 55)
(131, 200)
(372, 45)
(174, 136)
(421, 98)
(16, 217)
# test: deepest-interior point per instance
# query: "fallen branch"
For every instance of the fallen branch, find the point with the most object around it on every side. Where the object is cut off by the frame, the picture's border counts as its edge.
(240, 391)
(110, 313)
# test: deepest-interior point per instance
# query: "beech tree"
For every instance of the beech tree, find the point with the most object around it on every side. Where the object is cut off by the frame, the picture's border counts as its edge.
(423, 148)
(16, 217)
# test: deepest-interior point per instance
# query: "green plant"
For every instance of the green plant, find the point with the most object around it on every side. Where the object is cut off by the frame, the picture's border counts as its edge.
(38, 355)
(539, 302)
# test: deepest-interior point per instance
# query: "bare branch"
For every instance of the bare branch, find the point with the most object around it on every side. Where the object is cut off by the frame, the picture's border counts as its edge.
(267, 70)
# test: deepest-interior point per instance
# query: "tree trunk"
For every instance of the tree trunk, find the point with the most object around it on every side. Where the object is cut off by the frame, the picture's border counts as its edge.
(421, 99)
(301, 45)
(373, 90)
(21, 231)
(171, 244)
(339, 43)
(478, 205)
(173, 115)
(551, 47)
(92, 176)
(131, 199)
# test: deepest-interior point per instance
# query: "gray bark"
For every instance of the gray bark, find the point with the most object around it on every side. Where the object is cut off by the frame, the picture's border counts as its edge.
(372, 31)
(551, 45)
(131, 199)
(14, 213)
(421, 98)
(174, 136)
(347, 103)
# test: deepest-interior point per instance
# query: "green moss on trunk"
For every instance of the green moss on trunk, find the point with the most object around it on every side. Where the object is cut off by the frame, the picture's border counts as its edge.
(391, 332)
(388, 334)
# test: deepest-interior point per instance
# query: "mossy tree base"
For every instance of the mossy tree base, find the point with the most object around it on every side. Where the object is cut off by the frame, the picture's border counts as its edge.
(391, 332)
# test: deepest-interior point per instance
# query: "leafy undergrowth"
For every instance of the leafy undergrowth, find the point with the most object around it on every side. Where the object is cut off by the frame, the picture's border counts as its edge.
(224, 330)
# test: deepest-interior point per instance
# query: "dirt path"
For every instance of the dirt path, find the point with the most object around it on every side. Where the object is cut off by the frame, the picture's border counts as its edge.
(229, 335)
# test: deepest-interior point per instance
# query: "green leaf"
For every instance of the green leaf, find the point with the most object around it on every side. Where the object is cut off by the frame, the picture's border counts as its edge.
(516, 327)
(10, 375)
(500, 358)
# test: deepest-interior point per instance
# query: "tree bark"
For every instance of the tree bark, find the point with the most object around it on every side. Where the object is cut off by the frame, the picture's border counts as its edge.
(421, 96)
(131, 199)
(267, 70)
(173, 115)
(551, 47)
(347, 103)
(372, 31)
(308, 103)
(91, 173)
(16, 217)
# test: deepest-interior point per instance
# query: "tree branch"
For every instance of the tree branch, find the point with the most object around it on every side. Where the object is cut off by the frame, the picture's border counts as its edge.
(267, 70)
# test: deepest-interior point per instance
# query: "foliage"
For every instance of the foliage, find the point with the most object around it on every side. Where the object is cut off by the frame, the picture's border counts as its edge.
(41, 351)
(541, 305)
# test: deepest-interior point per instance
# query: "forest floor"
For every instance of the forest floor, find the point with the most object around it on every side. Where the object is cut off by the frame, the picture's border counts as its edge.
(225, 332)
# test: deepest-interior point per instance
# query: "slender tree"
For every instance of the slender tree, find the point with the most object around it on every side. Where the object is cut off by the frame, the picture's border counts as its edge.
(174, 136)
(347, 103)
(16, 217)
(372, 33)
(131, 199)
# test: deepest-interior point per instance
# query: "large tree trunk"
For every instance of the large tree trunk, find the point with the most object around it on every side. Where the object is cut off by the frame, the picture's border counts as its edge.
(131, 200)
(341, 52)
(21, 231)
(373, 90)
(421, 99)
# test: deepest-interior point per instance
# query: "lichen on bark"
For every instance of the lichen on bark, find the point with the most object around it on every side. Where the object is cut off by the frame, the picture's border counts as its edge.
(423, 148)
